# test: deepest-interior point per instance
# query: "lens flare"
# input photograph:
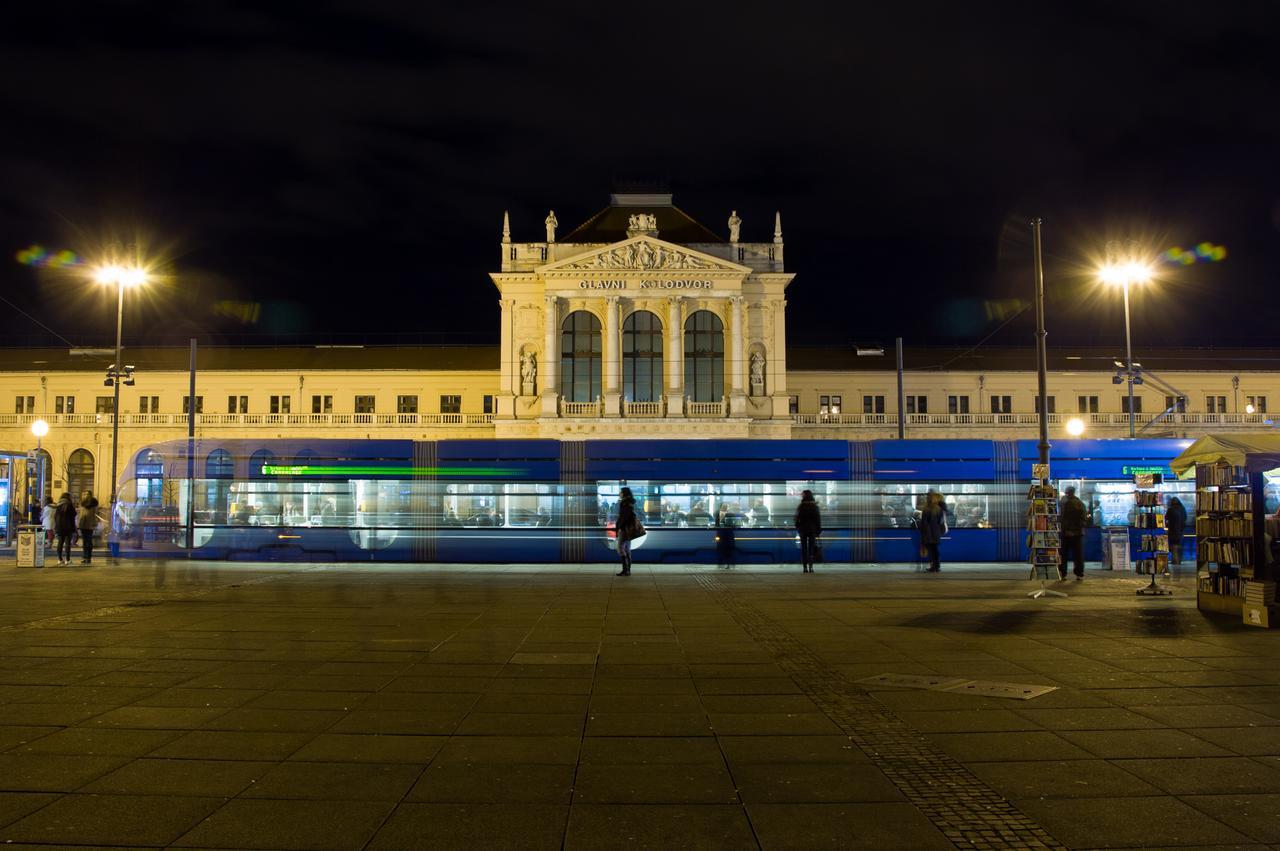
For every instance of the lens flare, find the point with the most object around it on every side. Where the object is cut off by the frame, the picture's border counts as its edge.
(1205, 252)
(37, 255)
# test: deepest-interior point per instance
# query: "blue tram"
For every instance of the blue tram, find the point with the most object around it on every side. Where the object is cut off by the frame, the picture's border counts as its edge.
(554, 501)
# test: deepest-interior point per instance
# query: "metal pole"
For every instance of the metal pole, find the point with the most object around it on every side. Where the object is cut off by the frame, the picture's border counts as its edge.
(1128, 355)
(902, 415)
(191, 454)
(1042, 357)
(115, 405)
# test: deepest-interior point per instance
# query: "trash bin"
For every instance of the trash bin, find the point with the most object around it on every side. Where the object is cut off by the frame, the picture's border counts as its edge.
(30, 546)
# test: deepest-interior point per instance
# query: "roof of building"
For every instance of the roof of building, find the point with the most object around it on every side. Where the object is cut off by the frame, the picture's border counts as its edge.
(1019, 359)
(610, 224)
(446, 358)
(482, 358)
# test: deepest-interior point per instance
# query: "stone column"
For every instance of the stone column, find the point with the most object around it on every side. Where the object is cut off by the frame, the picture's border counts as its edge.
(612, 359)
(776, 367)
(549, 363)
(674, 356)
(509, 378)
(737, 396)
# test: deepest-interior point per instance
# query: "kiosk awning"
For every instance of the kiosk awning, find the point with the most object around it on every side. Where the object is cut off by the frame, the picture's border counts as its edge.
(1256, 452)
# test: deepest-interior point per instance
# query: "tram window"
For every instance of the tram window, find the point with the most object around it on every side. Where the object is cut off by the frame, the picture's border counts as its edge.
(1111, 503)
(481, 504)
(707, 504)
(897, 505)
(287, 502)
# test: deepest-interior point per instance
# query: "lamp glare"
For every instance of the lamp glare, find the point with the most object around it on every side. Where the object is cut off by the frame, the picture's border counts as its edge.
(39, 428)
(1075, 426)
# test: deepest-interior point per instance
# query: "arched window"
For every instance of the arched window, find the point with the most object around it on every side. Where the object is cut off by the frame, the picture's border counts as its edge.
(46, 464)
(642, 357)
(148, 471)
(79, 473)
(704, 357)
(580, 357)
(219, 469)
(257, 461)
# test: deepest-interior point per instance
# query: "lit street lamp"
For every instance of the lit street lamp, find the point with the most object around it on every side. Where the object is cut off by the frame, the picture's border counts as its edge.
(1122, 273)
(39, 428)
(1075, 426)
(122, 277)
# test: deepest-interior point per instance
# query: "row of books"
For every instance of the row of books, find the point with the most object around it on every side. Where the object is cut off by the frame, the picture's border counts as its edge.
(1043, 523)
(1148, 499)
(1154, 544)
(1157, 564)
(1223, 500)
(1218, 583)
(1046, 555)
(1148, 521)
(1045, 539)
(1260, 593)
(1225, 551)
(1240, 527)
(1220, 476)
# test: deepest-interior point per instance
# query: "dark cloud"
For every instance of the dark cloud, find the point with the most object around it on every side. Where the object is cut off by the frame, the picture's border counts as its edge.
(349, 162)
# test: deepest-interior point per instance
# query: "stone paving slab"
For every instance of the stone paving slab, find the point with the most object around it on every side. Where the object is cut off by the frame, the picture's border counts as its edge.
(366, 706)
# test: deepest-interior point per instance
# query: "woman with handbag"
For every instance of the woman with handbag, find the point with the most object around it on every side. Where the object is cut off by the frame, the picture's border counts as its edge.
(933, 527)
(627, 528)
(808, 524)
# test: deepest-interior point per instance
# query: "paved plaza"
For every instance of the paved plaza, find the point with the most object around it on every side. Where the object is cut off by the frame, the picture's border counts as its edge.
(230, 706)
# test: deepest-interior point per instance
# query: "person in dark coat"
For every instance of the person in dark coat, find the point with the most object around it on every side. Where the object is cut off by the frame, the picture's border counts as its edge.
(726, 542)
(1073, 516)
(64, 526)
(626, 528)
(933, 527)
(1175, 520)
(808, 524)
(88, 522)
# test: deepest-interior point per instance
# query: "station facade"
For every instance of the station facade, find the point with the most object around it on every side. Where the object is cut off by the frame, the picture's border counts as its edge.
(639, 323)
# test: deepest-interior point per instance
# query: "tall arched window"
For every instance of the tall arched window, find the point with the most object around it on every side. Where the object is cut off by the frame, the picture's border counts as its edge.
(259, 459)
(704, 357)
(79, 473)
(148, 471)
(580, 357)
(642, 357)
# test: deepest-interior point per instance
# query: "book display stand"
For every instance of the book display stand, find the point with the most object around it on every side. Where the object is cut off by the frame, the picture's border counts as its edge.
(1152, 555)
(1044, 531)
(1225, 537)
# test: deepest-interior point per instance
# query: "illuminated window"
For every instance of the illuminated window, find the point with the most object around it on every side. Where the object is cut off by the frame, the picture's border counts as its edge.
(642, 357)
(704, 357)
(450, 404)
(364, 405)
(406, 404)
(580, 368)
(1259, 403)
(829, 404)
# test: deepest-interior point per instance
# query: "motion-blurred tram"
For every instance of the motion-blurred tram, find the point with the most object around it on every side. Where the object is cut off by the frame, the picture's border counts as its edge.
(547, 501)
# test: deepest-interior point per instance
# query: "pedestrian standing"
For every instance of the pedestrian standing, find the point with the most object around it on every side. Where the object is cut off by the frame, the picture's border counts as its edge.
(627, 528)
(64, 524)
(88, 524)
(1176, 522)
(46, 520)
(1073, 516)
(933, 527)
(726, 543)
(808, 523)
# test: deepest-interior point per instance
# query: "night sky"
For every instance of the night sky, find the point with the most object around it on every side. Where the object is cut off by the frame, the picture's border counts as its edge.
(343, 167)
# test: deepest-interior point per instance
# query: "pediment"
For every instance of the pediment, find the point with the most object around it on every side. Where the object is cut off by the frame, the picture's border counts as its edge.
(643, 254)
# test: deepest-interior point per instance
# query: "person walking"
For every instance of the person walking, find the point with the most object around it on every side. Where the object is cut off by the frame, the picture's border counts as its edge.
(64, 524)
(1073, 516)
(46, 520)
(726, 543)
(933, 527)
(1175, 520)
(88, 522)
(808, 523)
(627, 528)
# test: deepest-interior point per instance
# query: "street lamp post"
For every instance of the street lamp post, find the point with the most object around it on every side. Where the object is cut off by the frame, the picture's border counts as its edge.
(1123, 273)
(121, 277)
(39, 428)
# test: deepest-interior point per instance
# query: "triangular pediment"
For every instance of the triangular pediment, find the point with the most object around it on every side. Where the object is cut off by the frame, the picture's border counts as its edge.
(643, 254)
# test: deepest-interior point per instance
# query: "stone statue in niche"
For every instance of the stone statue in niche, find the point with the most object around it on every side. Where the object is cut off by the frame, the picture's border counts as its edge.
(528, 374)
(735, 226)
(757, 374)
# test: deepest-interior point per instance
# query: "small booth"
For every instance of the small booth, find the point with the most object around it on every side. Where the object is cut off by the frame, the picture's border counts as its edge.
(1237, 494)
(22, 481)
